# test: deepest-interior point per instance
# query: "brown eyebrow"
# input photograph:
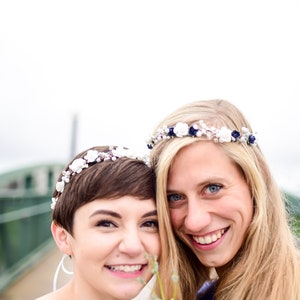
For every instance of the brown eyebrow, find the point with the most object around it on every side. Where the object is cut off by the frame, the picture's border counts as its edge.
(116, 215)
(105, 212)
(150, 213)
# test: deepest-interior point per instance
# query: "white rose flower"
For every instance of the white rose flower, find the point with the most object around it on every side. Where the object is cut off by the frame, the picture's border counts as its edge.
(181, 129)
(54, 200)
(60, 185)
(91, 156)
(78, 164)
(119, 152)
(245, 130)
(122, 152)
(224, 135)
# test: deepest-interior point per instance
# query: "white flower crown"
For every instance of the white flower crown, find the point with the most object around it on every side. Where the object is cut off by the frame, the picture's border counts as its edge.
(200, 129)
(90, 158)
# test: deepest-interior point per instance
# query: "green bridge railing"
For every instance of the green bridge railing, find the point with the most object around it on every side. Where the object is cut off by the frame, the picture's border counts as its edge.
(25, 232)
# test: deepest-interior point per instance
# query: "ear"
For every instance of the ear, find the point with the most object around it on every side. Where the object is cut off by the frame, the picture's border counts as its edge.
(62, 238)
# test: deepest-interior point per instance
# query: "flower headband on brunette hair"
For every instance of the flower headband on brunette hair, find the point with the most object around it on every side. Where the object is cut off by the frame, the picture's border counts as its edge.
(90, 158)
(200, 129)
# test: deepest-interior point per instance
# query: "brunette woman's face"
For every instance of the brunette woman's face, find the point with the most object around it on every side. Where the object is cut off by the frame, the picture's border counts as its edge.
(210, 202)
(109, 243)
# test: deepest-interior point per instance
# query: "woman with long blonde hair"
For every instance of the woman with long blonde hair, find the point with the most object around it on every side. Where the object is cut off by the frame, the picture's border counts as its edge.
(231, 228)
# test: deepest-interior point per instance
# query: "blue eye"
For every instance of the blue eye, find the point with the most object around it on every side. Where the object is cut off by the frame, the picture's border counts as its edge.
(213, 188)
(174, 197)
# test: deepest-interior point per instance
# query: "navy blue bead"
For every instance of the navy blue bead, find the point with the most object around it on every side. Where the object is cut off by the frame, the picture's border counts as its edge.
(251, 139)
(193, 131)
(235, 134)
(171, 132)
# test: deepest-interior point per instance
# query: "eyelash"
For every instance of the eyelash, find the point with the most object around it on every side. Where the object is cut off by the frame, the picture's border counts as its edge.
(106, 223)
(151, 223)
(214, 185)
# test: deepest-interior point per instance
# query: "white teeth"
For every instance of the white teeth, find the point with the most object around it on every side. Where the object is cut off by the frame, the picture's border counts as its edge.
(214, 238)
(126, 268)
(208, 239)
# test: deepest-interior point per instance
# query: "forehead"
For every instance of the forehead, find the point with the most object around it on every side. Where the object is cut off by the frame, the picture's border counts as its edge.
(201, 158)
(125, 206)
(200, 150)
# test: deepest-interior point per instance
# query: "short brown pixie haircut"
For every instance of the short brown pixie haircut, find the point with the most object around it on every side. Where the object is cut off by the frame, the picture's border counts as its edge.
(108, 179)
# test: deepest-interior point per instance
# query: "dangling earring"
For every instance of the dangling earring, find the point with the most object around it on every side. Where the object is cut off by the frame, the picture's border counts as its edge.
(60, 265)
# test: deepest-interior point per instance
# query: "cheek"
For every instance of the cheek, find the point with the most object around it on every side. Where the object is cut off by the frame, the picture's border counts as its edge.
(176, 218)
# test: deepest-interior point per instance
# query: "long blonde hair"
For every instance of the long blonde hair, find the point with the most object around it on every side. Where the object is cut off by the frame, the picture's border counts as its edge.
(267, 266)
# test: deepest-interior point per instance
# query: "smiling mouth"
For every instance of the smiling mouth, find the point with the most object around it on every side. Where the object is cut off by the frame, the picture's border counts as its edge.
(210, 238)
(125, 268)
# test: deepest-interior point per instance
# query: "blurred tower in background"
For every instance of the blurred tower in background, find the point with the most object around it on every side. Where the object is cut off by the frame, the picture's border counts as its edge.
(73, 149)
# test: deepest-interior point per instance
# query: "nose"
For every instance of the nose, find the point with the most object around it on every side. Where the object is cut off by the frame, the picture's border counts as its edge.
(131, 243)
(197, 215)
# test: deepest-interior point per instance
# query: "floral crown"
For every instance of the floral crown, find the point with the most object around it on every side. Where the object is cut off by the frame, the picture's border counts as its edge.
(200, 129)
(90, 158)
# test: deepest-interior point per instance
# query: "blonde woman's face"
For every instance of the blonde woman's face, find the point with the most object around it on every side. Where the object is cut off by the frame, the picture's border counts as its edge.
(209, 201)
(109, 243)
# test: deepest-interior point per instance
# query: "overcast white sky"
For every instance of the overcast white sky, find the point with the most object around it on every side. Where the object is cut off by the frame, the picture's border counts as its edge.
(123, 65)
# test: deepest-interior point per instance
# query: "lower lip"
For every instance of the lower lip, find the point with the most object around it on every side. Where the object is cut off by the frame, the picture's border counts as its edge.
(208, 247)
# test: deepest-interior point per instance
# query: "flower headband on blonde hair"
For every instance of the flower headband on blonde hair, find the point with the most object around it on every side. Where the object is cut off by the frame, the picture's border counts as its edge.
(90, 158)
(200, 129)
